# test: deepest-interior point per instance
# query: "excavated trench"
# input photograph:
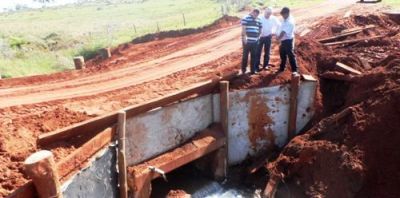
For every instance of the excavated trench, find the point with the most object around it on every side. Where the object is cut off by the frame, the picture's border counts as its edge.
(349, 148)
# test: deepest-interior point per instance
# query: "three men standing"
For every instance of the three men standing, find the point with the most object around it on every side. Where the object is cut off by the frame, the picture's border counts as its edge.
(257, 34)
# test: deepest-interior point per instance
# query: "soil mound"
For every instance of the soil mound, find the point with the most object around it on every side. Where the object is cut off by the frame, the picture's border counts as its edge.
(351, 152)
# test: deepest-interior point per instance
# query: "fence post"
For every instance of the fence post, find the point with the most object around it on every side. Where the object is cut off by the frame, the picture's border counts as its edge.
(134, 27)
(158, 27)
(184, 19)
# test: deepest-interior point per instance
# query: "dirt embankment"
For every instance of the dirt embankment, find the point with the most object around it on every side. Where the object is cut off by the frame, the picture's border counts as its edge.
(352, 150)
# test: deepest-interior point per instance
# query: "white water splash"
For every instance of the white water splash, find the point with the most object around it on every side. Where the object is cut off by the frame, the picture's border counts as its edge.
(215, 190)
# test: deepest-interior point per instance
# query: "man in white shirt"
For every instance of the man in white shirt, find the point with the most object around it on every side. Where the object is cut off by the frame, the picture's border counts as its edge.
(270, 25)
(286, 36)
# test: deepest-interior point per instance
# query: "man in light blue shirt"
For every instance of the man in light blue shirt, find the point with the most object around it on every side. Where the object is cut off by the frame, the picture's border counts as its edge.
(286, 36)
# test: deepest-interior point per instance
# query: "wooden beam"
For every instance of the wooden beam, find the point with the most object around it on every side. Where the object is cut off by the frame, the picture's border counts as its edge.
(91, 126)
(347, 69)
(77, 159)
(123, 186)
(353, 40)
(199, 88)
(307, 77)
(141, 175)
(294, 92)
(345, 34)
(337, 76)
(224, 119)
(41, 168)
(97, 124)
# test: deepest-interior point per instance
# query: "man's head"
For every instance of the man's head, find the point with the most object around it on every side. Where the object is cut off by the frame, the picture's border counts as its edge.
(285, 12)
(255, 13)
(268, 12)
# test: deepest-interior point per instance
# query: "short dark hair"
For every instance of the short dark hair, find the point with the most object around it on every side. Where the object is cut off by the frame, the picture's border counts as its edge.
(285, 10)
(256, 11)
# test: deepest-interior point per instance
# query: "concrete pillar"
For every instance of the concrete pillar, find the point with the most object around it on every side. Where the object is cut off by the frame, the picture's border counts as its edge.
(105, 53)
(79, 62)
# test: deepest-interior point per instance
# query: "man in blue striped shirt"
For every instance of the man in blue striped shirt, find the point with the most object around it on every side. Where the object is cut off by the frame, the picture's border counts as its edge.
(251, 29)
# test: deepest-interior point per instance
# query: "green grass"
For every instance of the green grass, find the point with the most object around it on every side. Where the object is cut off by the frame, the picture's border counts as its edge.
(44, 41)
(392, 3)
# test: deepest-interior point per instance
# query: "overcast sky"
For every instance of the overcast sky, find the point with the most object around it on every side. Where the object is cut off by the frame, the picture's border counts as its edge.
(10, 4)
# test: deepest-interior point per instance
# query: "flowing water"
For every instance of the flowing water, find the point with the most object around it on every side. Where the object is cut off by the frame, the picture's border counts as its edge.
(193, 182)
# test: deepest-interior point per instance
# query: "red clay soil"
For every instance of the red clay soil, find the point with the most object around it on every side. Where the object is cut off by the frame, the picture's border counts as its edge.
(352, 153)
(178, 62)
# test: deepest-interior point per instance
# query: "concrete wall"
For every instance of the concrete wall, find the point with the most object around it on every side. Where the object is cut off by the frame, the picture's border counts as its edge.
(258, 120)
(160, 130)
(99, 179)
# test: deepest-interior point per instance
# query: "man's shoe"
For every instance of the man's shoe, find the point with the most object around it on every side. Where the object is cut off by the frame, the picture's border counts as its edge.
(295, 73)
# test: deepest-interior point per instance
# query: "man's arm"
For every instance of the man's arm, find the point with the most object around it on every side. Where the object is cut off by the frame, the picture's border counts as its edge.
(281, 35)
(244, 38)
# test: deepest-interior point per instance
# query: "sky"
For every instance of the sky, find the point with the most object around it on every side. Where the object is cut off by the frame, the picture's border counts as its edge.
(10, 4)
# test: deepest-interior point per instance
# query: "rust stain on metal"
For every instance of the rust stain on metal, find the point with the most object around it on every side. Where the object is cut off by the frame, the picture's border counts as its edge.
(260, 123)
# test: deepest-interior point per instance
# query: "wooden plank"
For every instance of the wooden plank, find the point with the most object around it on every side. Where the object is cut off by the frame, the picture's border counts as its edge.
(77, 159)
(123, 186)
(307, 77)
(347, 69)
(224, 117)
(337, 76)
(358, 28)
(294, 92)
(91, 126)
(353, 41)
(345, 33)
(206, 142)
(95, 125)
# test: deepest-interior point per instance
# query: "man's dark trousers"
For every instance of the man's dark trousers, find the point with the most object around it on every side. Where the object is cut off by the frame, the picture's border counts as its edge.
(252, 49)
(265, 42)
(285, 51)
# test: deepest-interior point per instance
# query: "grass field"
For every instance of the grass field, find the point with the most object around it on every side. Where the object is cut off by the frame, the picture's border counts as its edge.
(393, 3)
(44, 41)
